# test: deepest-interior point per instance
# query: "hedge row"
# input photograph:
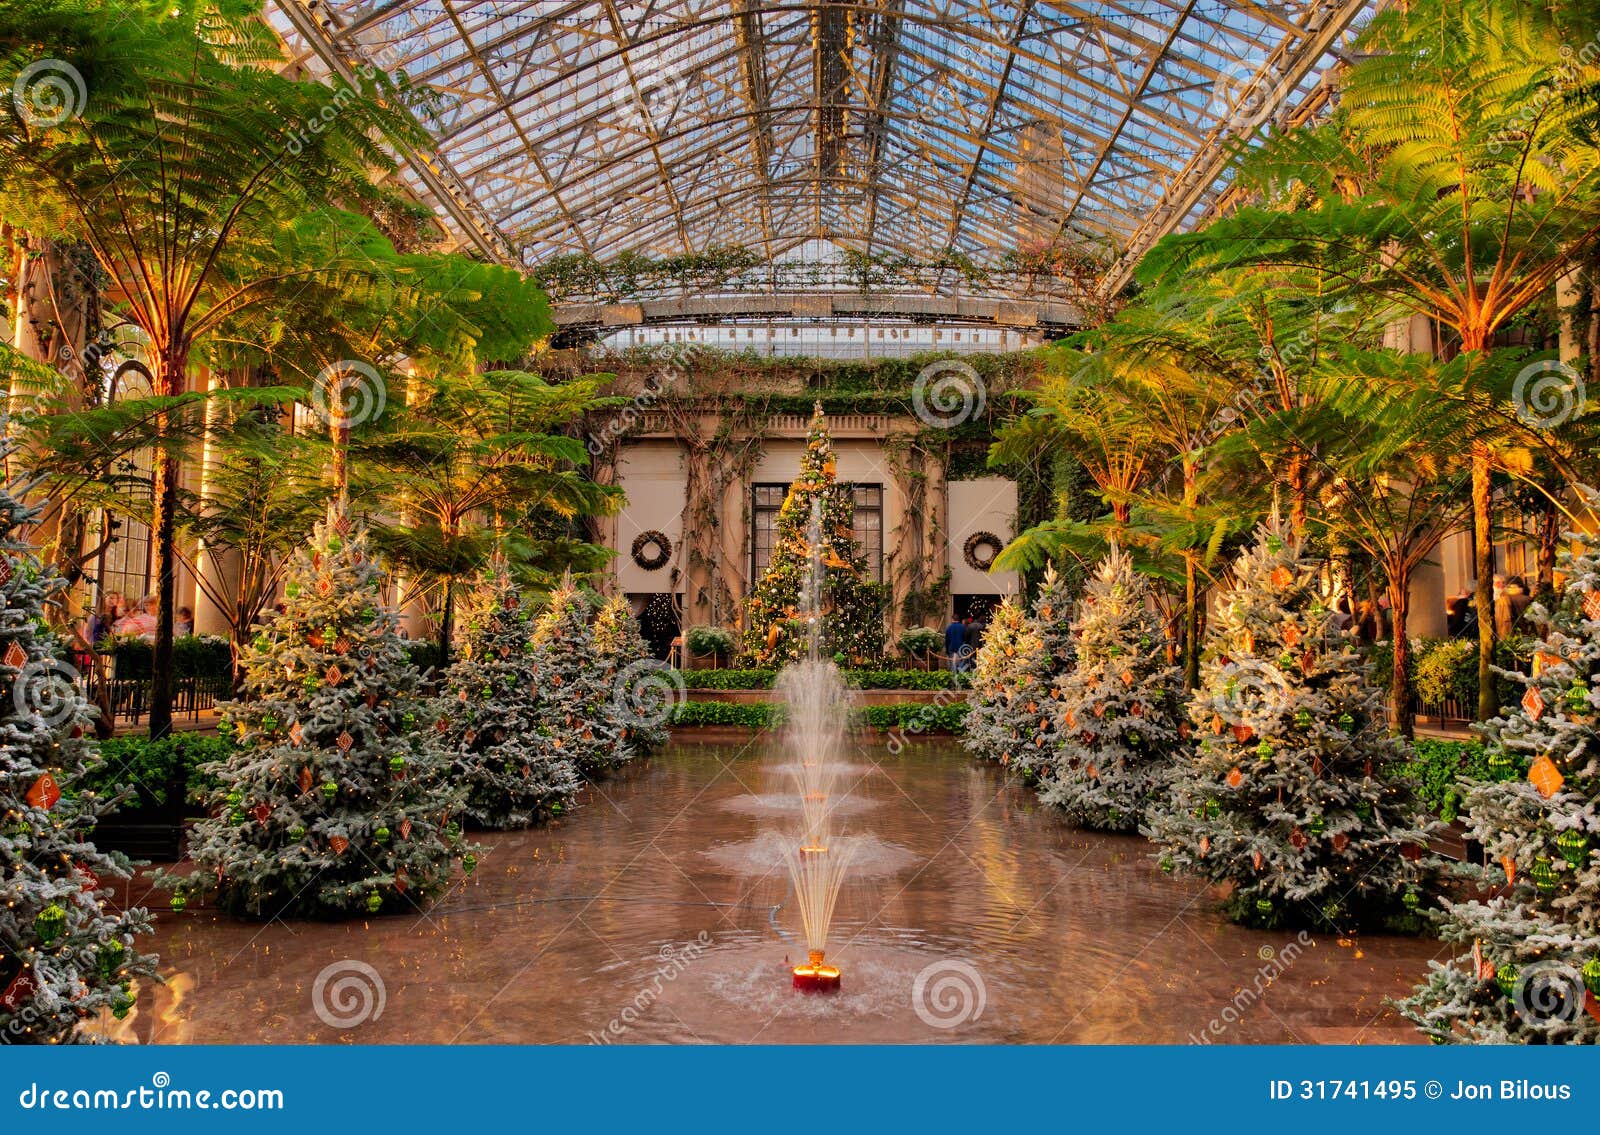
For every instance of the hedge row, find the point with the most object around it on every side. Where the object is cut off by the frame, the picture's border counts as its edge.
(147, 767)
(910, 716)
(1440, 770)
(858, 679)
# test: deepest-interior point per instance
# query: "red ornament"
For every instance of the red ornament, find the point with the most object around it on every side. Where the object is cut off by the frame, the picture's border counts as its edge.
(345, 742)
(305, 777)
(16, 657)
(5, 571)
(333, 676)
(262, 813)
(295, 733)
(1533, 702)
(1235, 777)
(44, 793)
(1297, 839)
(21, 989)
(1291, 635)
(1340, 841)
(405, 829)
(1591, 603)
(91, 881)
(338, 843)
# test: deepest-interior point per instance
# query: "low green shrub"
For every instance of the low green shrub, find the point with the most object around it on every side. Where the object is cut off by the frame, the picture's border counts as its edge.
(728, 679)
(1448, 668)
(916, 718)
(193, 656)
(761, 715)
(909, 716)
(1442, 769)
(147, 767)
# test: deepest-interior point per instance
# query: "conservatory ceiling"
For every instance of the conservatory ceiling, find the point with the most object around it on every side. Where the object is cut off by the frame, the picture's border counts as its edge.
(961, 159)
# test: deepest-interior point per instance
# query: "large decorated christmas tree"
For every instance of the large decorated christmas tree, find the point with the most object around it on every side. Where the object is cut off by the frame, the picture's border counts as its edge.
(648, 689)
(1292, 796)
(775, 628)
(66, 953)
(338, 799)
(1120, 715)
(1005, 683)
(579, 712)
(1530, 970)
(513, 775)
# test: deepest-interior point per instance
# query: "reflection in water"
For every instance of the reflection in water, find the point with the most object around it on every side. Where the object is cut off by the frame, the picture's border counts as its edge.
(1076, 936)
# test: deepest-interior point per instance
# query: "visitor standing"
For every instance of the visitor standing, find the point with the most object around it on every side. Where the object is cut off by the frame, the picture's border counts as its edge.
(183, 623)
(1509, 608)
(972, 638)
(954, 638)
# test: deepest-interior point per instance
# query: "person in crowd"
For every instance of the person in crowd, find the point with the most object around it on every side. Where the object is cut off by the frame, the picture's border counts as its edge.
(141, 621)
(103, 621)
(972, 637)
(1369, 623)
(1460, 619)
(954, 639)
(1341, 616)
(183, 622)
(1510, 607)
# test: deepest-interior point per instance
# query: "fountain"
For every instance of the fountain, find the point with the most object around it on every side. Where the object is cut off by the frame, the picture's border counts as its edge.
(818, 711)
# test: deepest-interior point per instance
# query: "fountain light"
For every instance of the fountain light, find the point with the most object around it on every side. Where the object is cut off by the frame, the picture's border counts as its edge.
(814, 977)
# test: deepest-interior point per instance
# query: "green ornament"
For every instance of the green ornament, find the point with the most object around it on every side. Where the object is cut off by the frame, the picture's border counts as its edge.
(237, 817)
(1274, 544)
(469, 863)
(50, 923)
(298, 832)
(1265, 750)
(397, 763)
(269, 721)
(555, 809)
(334, 543)
(1577, 697)
(1364, 810)
(121, 1005)
(1212, 809)
(329, 789)
(1573, 845)
(1506, 977)
(1317, 825)
(1504, 765)
(1591, 976)
(374, 902)
(1411, 900)
(1346, 722)
(1263, 906)
(178, 903)
(452, 831)
(488, 692)
(380, 835)
(109, 959)
(408, 720)
(234, 799)
(1543, 874)
(1285, 661)
(1303, 719)
(291, 590)
(1167, 864)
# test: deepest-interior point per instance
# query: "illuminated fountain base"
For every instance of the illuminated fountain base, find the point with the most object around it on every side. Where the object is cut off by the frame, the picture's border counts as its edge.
(814, 977)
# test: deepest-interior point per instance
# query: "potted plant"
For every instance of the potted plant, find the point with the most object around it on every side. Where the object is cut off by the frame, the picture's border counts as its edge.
(920, 644)
(702, 643)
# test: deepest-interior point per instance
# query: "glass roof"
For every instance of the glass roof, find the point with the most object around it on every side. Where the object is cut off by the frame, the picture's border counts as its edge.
(1005, 148)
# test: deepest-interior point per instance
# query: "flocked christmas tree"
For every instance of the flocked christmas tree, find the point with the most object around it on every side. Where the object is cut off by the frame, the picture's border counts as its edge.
(1292, 796)
(1004, 683)
(579, 712)
(1530, 971)
(337, 800)
(1121, 716)
(649, 688)
(513, 775)
(66, 953)
(1051, 615)
(775, 631)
